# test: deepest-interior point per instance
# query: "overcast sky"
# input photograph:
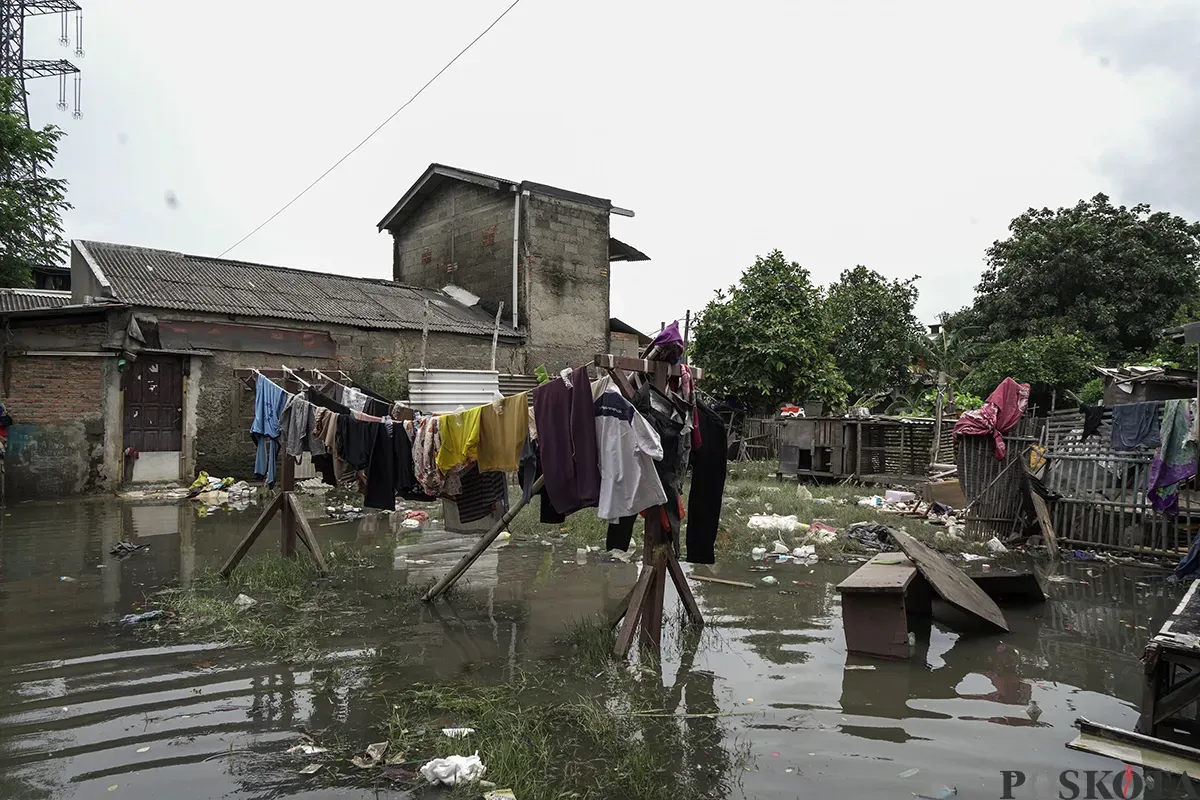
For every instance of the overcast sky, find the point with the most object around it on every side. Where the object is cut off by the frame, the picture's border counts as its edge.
(903, 136)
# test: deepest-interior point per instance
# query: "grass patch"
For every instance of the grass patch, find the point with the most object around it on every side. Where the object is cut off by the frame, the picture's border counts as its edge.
(597, 745)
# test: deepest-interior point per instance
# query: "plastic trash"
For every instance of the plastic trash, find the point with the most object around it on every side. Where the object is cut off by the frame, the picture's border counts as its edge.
(581, 555)
(621, 555)
(453, 770)
(996, 546)
(145, 616)
(871, 502)
(306, 750)
(897, 496)
(971, 557)
(779, 548)
(311, 769)
(243, 602)
(411, 523)
(769, 580)
(500, 794)
(773, 522)
(822, 532)
(802, 492)
(374, 755)
(66, 578)
(758, 552)
(457, 733)
(805, 551)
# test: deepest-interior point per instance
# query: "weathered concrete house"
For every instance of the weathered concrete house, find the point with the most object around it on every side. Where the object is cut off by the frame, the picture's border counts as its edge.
(542, 251)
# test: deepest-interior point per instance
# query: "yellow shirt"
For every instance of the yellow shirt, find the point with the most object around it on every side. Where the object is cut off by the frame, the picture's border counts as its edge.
(460, 438)
(502, 434)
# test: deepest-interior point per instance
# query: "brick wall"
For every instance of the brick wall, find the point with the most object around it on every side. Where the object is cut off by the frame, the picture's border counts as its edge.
(469, 226)
(55, 389)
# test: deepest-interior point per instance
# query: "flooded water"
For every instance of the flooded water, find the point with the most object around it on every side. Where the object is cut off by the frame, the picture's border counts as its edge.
(86, 706)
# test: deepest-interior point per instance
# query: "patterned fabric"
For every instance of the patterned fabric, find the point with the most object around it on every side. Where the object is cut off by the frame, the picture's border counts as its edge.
(1175, 461)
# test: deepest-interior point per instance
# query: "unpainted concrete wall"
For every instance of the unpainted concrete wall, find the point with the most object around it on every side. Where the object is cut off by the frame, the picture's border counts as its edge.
(466, 225)
(569, 281)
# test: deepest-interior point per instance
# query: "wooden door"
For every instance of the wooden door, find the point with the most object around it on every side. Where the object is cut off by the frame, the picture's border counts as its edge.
(154, 404)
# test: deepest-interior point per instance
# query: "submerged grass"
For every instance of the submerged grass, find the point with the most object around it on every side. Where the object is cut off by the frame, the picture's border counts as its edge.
(751, 488)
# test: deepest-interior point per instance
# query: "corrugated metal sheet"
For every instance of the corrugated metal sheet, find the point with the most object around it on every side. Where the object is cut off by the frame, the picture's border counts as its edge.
(29, 299)
(163, 279)
(515, 384)
(443, 391)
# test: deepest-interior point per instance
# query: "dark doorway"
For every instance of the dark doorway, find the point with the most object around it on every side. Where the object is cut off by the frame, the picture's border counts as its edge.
(154, 404)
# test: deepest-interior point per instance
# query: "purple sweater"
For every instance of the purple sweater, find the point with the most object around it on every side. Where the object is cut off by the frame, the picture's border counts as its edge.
(566, 426)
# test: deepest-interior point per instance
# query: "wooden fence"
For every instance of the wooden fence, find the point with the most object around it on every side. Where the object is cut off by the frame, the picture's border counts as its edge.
(1104, 499)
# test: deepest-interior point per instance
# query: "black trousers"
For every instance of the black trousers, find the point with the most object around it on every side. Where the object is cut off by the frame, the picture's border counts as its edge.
(709, 466)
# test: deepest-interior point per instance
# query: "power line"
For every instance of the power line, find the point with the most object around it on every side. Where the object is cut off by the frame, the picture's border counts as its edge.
(378, 128)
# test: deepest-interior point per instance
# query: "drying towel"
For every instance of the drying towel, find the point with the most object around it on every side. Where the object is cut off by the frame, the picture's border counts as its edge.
(1175, 460)
(1135, 425)
(998, 416)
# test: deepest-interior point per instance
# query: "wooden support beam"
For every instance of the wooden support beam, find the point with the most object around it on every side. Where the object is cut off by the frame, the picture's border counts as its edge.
(467, 560)
(244, 546)
(1182, 694)
(306, 533)
(685, 591)
(609, 361)
(634, 613)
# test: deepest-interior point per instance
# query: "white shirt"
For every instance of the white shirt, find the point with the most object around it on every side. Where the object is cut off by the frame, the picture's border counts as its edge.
(628, 447)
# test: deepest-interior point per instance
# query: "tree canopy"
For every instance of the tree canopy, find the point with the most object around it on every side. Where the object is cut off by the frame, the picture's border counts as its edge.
(874, 329)
(767, 340)
(1115, 275)
(1057, 361)
(31, 204)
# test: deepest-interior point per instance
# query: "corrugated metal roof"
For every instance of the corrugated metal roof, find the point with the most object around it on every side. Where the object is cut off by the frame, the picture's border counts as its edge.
(162, 279)
(29, 299)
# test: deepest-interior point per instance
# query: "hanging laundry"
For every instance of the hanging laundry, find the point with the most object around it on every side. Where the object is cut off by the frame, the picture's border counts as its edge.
(460, 438)
(710, 464)
(1092, 417)
(566, 421)
(999, 415)
(324, 400)
(353, 398)
(531, 470)
(482, 493)
(296, 423)
(269, 402)
(628, 447)
(1175, 460)
(503, 428)
(375, 404)
(668, 422)
(1136, 425)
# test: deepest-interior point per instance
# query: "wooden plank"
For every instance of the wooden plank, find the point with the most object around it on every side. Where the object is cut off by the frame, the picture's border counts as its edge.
(685, 592)
(875, 625)
(1043, 517)
(1011, 586)
(306, 533)
(244, 546)
(623, 383)
(949, 581)
(886, 572)
(722, 581)
(646, 366)
(633, 613)
(1181, 695)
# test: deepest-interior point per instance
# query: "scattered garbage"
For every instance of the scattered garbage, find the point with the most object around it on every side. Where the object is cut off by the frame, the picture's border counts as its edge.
(623, 555)
(758, 552)
(457, 733)
(345, 512)
(243, 602)
(908, 773)
(504, 536)
(500, 794)
(773, 522)
(870, 502)
(204, 483)
(806, 554)
(374, 754)
(996, 546)
(769, 580)
(822, 531)
(581, 554)
(803, 492)
(871, 535)
(779, 548)
(971, 557)
(145, 616)
(306, 750)
(311, 769)
(411, 523)
(126, 549)
(67, 579)
(860, 666)
(453, 770)
(897, 496)
(419, 516)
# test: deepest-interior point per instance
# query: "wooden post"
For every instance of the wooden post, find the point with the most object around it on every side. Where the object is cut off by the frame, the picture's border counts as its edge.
(496, 333)
(287, 484)
(425, 335)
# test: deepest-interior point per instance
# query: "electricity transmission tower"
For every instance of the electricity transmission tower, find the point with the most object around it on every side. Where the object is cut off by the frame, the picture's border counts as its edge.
(13, 63)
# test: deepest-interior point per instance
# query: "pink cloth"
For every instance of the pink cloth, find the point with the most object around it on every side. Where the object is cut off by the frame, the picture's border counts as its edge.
(998, 416)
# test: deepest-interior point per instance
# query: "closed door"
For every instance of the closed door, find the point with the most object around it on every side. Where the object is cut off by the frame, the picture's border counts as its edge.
(154, 404)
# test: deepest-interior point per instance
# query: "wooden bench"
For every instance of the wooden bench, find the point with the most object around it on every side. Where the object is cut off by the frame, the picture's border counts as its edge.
(876, 602)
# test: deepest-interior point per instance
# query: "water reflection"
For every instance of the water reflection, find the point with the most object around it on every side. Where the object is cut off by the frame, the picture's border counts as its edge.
(80, 698)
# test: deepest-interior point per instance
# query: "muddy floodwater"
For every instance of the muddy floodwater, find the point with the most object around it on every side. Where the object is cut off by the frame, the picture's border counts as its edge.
(90, 710)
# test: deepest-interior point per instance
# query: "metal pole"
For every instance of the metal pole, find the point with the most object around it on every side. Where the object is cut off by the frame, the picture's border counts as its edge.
(496, 333)
(425, 335)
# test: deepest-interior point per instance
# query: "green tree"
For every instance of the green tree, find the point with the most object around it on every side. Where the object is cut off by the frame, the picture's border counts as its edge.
(31, 204)
(767, 340)
(1055, 362)
(1116, 275)
(874, 329)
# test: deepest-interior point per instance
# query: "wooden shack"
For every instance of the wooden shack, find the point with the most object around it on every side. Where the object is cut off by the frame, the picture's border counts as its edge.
(879, 449)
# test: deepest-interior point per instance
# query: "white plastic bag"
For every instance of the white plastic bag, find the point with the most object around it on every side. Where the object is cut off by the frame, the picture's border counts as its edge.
(453, 770)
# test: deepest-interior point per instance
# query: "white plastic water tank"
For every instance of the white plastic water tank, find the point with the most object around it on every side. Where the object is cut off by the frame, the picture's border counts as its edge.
(444, 391)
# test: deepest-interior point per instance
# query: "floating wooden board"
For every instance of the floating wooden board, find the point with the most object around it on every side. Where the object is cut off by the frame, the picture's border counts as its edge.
(886, 572)
(950, 583)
